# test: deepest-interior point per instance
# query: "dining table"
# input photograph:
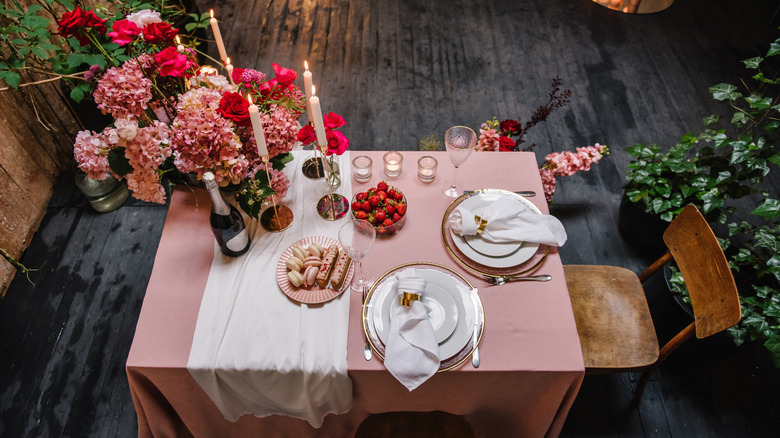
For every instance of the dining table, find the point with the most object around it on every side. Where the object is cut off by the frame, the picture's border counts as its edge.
(531, 362)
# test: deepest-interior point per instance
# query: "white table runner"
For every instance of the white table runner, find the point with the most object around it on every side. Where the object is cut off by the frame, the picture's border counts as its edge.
(254, 350)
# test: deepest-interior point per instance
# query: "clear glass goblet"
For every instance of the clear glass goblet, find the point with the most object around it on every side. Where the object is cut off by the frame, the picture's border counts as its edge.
(356, 237)
(460, 141)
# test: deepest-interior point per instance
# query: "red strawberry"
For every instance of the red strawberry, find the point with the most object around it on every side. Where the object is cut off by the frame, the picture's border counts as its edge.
(371, 218)
(396, 217)
(391, 193)
(398, 196)
(365, 205)
(389, 201)
(356, 206)
(382, 195)
(361, 214)
(380, 215)
(401, 208)
(382, 186)
(373, 200)
(361, 196)
(389, 209)
(387, 222)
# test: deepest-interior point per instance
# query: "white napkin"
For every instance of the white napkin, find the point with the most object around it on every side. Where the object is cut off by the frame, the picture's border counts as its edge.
(509, 221)
(412, 354)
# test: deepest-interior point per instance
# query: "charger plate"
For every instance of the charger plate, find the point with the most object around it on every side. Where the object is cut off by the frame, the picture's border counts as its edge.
(471, 315)
(487, 266)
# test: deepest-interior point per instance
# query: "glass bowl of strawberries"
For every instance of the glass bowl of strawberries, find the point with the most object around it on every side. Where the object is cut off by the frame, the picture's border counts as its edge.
(383, 206)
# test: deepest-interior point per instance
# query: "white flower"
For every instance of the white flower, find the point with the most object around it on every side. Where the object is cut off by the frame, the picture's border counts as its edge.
(126, 128)
(144, 17)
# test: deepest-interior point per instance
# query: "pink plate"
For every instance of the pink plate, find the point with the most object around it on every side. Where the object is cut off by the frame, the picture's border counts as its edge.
(313, 294)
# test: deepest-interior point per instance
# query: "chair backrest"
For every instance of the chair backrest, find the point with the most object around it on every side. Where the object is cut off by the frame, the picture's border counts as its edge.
(706, 272)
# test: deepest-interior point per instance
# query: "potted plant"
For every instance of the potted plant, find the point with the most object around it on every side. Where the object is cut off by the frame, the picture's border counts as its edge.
(728, 161)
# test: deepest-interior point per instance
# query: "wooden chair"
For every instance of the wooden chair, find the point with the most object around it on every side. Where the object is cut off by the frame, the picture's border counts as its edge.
(611, 312)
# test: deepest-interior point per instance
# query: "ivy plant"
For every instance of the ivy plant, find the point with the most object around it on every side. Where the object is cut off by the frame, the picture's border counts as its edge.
(730, 159)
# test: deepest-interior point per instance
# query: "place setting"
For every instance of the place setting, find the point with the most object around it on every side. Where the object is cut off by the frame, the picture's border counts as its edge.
(422, 318)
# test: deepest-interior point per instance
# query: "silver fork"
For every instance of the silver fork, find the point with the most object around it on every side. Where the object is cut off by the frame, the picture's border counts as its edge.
(367, 353)
(498, 281)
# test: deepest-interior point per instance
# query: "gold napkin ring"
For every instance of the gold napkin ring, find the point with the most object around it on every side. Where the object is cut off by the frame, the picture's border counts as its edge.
(407, 299)
(481, 222)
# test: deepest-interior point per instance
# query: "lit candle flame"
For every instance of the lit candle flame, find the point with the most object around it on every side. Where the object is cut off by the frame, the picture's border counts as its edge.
(312, 91)
(305, 65)
(249, 98)
(227, 60)
(178, 40)
(211, 11)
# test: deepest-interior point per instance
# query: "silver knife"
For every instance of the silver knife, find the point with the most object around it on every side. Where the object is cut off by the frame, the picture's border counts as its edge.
(475, 336)
(525, 193)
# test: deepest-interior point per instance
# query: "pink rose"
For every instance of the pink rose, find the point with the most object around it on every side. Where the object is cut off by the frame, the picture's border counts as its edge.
(333, 121)
(306, 135)
(284, 76)
(337, 142)
(159, 33)
(172, 62)
(124, 32)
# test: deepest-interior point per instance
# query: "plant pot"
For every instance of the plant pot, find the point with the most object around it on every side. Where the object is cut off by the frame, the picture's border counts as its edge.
(640, 228)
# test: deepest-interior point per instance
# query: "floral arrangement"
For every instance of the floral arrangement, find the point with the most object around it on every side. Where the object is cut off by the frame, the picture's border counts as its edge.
(173, 115)
(338, 143)
(558, 164)
(495, 136)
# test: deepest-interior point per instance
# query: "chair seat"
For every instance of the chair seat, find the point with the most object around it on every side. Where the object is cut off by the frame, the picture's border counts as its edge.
(613, 321)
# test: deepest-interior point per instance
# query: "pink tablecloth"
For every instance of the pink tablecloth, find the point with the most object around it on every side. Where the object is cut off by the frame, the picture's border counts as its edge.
(531, 361)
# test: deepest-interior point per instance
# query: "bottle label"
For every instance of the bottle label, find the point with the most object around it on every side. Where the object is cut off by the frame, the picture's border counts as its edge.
(237, 242)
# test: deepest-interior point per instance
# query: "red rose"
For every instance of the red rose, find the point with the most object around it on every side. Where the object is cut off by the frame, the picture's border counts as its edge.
(78, 22)
(159, 32)
(333, 121)
(306, 135)
(506, 144)
(270, 88)
(337, 142)
(510, 127)
(284, 76)
(234, 107)
(172, 62)
(124, 32)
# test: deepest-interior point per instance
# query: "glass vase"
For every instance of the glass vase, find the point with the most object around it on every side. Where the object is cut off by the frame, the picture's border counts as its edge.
(334, 172)
(104, 195)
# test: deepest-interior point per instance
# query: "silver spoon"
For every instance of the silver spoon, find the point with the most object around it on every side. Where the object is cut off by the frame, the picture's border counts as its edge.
(367, 353)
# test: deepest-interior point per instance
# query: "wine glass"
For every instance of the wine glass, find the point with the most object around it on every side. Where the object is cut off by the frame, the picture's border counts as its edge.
(357, 236)
(460, 141)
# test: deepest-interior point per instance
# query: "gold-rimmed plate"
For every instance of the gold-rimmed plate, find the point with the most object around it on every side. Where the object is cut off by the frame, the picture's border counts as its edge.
(521, 262)
(471, 316)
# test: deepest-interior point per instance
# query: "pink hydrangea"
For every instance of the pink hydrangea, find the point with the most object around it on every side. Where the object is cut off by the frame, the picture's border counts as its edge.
(558, 164)
(149, 147)
(279, 183)
(281, 132)
(202, 140)
(144, 182)
(488, 139)
(123, 91)
(91, 153)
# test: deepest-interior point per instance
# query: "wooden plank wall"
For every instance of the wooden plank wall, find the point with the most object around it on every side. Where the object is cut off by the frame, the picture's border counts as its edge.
(37, 128)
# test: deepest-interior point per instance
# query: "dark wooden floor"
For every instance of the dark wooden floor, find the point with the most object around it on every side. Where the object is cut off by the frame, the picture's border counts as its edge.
(398, 70)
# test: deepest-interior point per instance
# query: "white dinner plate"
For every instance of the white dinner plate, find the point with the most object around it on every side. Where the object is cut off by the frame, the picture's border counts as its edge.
(441, 307)
(496, 255)
(439, 284)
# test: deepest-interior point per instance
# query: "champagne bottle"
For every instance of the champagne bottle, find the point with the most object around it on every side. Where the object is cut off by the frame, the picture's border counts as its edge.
(226, 221)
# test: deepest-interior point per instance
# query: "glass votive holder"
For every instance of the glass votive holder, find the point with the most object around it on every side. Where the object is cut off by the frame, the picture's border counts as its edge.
(361, 168)
(393, 162)
(426, 168)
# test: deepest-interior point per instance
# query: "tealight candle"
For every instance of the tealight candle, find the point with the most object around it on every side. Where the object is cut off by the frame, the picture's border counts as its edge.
(361, 168)
(426, 168)
(393, 162)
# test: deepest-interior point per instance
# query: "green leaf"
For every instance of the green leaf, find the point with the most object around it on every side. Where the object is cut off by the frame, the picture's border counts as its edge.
(77, 94)
(39, 52)
(775, 158)
(753, 62)
(769, 209)
(10, 78)
(96, 59)
(772, 125)
(76, 59)
(711, 201)
(710, 120)
(739, 118)
(119, 162)
(189, 26)
(774, 49)
(758, 101)
(724, 92)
